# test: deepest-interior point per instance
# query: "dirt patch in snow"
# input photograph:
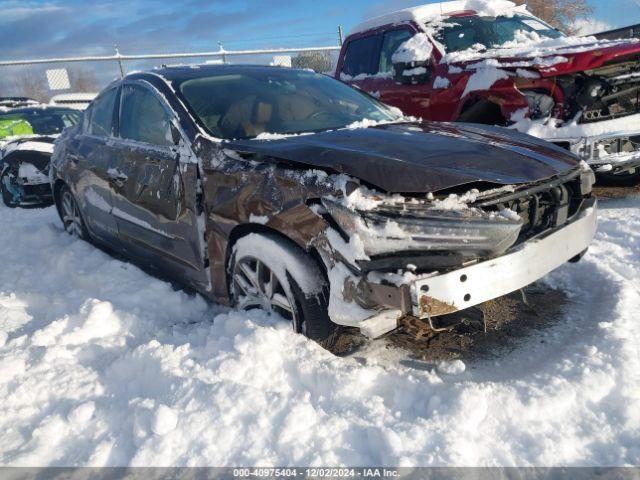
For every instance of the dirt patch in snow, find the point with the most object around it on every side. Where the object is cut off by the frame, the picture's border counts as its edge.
(612, 192)
(509, 319)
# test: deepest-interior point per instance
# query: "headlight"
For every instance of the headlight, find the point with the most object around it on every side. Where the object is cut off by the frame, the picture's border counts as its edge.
(419, 227)
(540, 105)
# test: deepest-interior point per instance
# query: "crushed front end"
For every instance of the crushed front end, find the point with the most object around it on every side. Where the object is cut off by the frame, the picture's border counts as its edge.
(595, 115)
(24, 173)
(395, 257)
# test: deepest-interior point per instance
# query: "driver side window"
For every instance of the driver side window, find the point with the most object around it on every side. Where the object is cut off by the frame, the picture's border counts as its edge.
(143, 118)
(390, 43)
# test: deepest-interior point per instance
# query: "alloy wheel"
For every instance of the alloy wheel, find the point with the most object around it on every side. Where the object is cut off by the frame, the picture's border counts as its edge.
(71, 215)
(256, 286)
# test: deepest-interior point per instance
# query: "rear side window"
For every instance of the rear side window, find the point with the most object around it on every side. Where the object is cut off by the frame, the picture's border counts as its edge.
(101, 123)
(143, 118)
(390, 43)
(358, 58)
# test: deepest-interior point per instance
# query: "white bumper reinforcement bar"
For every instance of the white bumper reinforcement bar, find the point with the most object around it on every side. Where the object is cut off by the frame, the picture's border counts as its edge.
(478, 283)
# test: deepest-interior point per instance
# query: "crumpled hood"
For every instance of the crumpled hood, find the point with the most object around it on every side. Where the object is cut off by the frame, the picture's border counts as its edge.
(35, 150)
(549, 62)
(419, 158)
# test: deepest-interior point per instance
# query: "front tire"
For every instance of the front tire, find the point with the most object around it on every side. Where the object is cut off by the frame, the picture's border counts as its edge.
(70, 214)
(272, 274)
(7, 196)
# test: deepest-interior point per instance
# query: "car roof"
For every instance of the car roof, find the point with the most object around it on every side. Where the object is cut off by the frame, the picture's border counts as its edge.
(188, 72)
(423, 13)
(39, 108)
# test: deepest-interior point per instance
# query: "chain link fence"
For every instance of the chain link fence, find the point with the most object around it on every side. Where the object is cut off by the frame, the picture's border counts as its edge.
(41, 79)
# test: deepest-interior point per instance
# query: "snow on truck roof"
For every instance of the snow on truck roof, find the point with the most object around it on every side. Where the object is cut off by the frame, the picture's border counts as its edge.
(422, 13)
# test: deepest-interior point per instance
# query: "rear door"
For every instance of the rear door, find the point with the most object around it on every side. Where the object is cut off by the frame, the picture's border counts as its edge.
(90, 157)
(155, 187)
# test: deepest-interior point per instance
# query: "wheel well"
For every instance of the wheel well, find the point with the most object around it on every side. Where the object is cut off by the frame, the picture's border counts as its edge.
(482, 111)
(246, 229)
(57, 186)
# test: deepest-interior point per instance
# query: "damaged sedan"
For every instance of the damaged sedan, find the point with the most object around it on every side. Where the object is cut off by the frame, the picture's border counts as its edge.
(26, 143)
(288, 191)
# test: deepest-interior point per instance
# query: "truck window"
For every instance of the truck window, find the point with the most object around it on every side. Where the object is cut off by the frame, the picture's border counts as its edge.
(390, 43)
(359, 55)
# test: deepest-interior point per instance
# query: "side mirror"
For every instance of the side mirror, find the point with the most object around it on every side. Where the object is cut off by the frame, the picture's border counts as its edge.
(412, 73)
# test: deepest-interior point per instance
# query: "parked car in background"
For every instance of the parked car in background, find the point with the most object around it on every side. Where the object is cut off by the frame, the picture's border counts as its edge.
(467, 61)
(26, 143)
(15, 102)
(79, 101)
(286, 190)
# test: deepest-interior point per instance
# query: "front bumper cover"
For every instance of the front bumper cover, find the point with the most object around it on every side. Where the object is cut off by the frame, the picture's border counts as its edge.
(594, 151)
(440, 294)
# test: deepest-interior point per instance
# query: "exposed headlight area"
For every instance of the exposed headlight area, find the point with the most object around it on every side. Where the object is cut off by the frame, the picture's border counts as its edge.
(540, 104)
(419, 227)
(424, 234)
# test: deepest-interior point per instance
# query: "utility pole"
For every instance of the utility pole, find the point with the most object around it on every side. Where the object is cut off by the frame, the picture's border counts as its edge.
(340, 35)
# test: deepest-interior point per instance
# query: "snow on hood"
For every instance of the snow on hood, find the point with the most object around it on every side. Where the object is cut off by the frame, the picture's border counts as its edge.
(31, 145)
(534, 50)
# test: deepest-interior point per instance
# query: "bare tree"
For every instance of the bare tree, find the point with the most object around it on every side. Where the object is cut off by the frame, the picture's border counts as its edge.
(84, 81)
(31, 84)
(561, 14)
(316, 61)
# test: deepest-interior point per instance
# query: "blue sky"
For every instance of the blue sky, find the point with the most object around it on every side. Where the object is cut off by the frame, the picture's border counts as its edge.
(33, 29)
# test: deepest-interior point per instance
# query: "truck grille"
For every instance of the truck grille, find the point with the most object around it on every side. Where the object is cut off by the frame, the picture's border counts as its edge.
(621, 99)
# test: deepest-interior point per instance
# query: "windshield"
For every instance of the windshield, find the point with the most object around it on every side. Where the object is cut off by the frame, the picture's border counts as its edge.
(44, 121)
(280, 101)
(466, 32)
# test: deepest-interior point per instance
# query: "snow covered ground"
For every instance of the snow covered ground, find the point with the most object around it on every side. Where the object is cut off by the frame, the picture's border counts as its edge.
(102, 364)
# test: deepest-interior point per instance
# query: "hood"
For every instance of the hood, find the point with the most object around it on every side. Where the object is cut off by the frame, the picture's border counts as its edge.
(552, 57)
(419, 158)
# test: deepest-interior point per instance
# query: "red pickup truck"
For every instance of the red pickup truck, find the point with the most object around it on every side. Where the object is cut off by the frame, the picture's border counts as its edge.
(493, 62)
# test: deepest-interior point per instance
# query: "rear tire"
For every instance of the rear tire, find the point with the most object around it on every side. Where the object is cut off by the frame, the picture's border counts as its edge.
(269, 273)
(7, 196)
(70, 214)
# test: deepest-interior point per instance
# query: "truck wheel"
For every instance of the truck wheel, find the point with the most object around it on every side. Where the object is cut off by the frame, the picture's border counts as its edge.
(620, 180)
(270, 273)
(8, 198)
(70, 214)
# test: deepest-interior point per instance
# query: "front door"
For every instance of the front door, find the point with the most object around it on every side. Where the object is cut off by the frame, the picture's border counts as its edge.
(411, 99)
(154, 188)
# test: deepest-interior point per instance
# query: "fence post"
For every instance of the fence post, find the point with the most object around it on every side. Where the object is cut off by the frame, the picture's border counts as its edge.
(119, 61)
(224, 55)
(340, 36)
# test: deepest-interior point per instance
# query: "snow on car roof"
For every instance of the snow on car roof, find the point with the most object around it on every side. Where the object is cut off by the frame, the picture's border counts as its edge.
(422, 13)
(74, 97)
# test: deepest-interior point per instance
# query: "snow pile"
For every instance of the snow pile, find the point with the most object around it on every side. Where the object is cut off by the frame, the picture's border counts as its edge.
(101, 364)
(417, 49)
